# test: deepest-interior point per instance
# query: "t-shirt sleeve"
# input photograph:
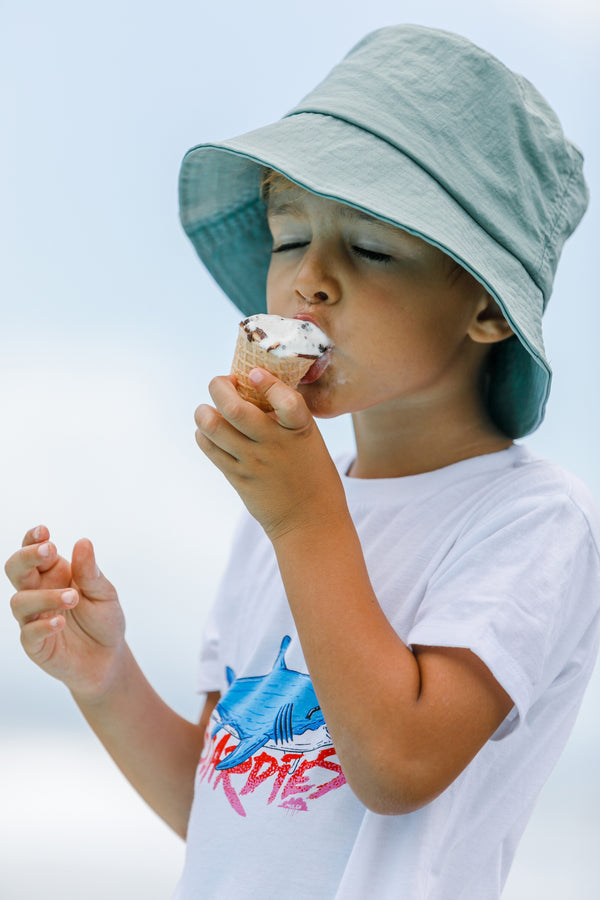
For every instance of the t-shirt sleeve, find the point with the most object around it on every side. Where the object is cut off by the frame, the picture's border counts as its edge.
(210, 672)
(209, 667)
(520, 590)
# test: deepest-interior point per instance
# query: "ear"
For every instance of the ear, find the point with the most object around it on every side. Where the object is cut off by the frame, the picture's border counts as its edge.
(489, 325)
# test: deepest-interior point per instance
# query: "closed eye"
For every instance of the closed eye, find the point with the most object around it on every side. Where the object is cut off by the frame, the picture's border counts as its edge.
(374, 255)
(291, 245)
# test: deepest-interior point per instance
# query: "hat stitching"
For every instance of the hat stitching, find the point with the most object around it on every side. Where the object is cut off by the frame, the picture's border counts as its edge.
(560, 216)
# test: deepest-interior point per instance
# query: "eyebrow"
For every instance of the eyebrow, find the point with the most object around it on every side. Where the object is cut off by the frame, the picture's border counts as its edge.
(350, 212)
(279, 207)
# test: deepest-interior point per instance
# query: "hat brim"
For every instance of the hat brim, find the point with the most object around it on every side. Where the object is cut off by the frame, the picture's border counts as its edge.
(225, 218)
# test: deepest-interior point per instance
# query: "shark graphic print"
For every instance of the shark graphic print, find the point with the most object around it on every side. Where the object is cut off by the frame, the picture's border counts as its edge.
(267, 736)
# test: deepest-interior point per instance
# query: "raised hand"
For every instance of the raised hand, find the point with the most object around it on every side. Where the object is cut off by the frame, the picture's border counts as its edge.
(72, 624)
(277, 461)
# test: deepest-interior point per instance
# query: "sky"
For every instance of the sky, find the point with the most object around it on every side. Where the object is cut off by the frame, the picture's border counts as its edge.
(111, 329)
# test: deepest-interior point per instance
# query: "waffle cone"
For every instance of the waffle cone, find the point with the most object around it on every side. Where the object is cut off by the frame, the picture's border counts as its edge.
(249, 354)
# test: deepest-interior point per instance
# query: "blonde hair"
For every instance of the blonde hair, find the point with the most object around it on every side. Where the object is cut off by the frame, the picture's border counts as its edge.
(271, 182)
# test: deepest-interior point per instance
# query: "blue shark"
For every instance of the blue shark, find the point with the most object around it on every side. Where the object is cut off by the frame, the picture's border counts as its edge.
(267, 708)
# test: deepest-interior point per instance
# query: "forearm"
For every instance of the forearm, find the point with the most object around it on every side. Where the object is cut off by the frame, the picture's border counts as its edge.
(156, 749)
(359, 666)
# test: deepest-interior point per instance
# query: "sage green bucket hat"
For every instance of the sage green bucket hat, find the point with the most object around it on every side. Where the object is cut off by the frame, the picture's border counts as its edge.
(426, 131)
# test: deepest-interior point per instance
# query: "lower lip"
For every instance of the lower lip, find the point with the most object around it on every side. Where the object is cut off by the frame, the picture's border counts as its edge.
(317, 368)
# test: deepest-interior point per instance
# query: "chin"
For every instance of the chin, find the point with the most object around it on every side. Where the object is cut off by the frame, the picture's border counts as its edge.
(320, 401)
(333, 394)
(325, 401)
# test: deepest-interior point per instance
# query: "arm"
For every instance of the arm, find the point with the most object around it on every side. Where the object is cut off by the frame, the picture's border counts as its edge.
(156, 749)
(435, 707)
(73, 627)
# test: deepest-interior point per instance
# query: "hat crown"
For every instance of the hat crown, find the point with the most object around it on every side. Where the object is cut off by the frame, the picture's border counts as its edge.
(484, 133)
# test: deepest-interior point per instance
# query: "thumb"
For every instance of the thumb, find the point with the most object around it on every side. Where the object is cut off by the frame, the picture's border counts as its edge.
(86, 574)
(288, 406)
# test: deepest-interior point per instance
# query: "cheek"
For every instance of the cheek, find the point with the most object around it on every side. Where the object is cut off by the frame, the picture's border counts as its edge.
(270, 280)
(274, 294)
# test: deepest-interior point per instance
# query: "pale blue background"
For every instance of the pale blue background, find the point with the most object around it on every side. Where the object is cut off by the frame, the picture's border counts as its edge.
(110, 331)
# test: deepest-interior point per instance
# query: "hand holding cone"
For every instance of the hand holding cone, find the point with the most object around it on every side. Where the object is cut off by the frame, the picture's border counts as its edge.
(285, 347)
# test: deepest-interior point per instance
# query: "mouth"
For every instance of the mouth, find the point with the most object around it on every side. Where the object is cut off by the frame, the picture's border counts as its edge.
(317, 368)
(320, 364)
(305, 317)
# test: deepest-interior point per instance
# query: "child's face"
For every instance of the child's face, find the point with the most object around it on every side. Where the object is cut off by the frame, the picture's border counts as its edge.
(398, 309)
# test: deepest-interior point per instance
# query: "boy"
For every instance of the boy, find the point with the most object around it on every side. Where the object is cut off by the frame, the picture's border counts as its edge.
(401, 640)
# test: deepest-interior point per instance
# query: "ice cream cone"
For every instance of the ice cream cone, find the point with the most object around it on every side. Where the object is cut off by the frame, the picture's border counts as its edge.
(249, 354)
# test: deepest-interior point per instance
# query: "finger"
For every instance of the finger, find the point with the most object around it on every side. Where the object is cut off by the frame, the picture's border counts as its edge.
(222, 460)
(220, 442)
(211, 433)
(36, 535)
(27, 606)
(213, 429)
(36, 633)
(86, 574)
(24, 566)
(288, 406)
(246, 418)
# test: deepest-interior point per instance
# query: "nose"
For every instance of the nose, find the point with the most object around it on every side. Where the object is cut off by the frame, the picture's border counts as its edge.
(316, 281)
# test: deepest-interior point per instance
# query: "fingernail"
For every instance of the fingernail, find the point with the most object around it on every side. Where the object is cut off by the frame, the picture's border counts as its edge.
(44, 550)
(69, 598)
(55, 622)
(255, 376)
(37, 533)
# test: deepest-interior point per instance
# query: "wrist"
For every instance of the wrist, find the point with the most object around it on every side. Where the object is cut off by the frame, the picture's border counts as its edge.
(107, 681)
(310, 520)
(320, 531)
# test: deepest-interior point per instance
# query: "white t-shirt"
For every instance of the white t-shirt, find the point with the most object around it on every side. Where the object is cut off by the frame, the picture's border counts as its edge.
(498, 554)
